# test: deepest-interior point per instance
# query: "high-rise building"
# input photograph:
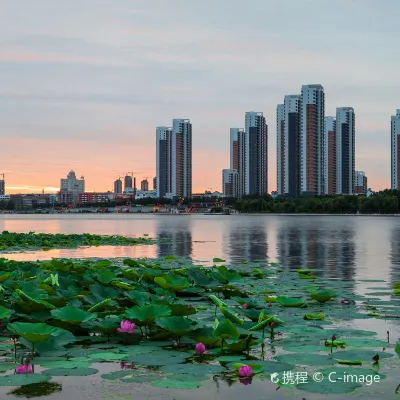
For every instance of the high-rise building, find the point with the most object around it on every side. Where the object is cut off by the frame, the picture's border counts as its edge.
(117, 186)
(164, 161)
(237, 156)
(395, 151)
(144, 185)
(311, 140)
(2, 187)
(127, 182)
(361, 183)
(181, 158)
(345, 150)
(155, 183)
(70, 188)
(256, 154)
(288, 154)
(330, 155)
(230, 183)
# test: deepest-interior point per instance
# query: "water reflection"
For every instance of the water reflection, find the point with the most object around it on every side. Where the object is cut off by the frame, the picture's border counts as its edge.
(248, 244)
(174, 239)
(395, 254)
(330, 252)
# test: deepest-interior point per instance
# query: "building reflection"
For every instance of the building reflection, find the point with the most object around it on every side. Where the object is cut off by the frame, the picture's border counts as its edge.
(248, 244)
(330, 252)
(395, 254)
(173, 238)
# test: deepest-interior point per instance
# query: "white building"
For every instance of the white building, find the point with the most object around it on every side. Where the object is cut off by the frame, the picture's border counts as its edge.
(4, 197)
(70, 188)
(163, 161)
(230, 183)
(237, 156)
(311, 139)
(395, 148)
(181, 158)
(256, 154)
(288, 152)
(345, 150)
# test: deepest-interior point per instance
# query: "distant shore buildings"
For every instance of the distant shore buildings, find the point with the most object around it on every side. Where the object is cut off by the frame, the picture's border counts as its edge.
(70, 188)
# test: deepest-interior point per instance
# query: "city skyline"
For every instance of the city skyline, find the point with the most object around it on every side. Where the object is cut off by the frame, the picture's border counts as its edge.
(87, 95)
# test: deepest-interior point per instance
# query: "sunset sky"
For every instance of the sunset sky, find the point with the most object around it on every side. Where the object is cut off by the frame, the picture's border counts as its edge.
(84, 83)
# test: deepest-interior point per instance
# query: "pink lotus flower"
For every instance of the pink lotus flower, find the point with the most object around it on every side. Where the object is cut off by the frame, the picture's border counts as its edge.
(273, 324)
(245, 371)
(200, 348)
(269, 304)
(126, 327)
(245, 305)
(24, 369)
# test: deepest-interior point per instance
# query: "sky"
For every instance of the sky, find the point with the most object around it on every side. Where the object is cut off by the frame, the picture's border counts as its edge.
(84, 83)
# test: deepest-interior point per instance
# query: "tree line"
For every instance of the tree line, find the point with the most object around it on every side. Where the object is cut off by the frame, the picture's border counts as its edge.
(383, 202)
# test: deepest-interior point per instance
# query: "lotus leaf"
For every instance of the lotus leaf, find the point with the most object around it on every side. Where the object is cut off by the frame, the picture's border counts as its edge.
(193, 369)
(145, 315)
(70, 371)
(314, 317)
(226, 330)
(173, 282)
(290, 301)
(176, 384)
(323, 296)
(22, 379)
(34, 333)
(73, 315)
(4, 313)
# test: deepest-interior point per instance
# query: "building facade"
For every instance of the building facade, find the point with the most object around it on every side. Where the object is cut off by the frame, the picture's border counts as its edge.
(118, 186)
(70, 188)
(256, 154)
(94, 197)
(230, 183)
(361, 183)
(163, 161)
(395, 151)
(345, 150)
(127, 182)
(288, 146)
(330, 155)
(311, 140)
(2, 187)
(237, 157)
(144, 185)
(181, 158)
(155, 183)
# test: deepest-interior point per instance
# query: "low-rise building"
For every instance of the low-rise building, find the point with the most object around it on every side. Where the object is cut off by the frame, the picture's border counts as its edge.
(361, 183)
(95, 197)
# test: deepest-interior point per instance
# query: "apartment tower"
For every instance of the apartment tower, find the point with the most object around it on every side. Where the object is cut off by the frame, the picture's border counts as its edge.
(256, 154)
(163, 161)
(345, 150)
(237, 157)
(288, 155)
(395, 151)
(311, 140)
(181, 158)
(330, 155)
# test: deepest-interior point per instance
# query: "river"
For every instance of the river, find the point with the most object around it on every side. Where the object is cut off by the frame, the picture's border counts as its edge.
(346, 247)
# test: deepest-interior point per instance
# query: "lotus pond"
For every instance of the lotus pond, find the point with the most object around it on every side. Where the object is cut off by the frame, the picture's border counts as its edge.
(14, 242)
(142, 328)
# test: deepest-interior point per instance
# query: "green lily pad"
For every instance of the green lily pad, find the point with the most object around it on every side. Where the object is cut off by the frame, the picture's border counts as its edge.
(159, 358)
(72, 315)
(305, 359)
(70, 372)
(22, 379)
(363, 355)
(193, 369)
(323, 296)
(176, 384)
(140, 378)
(359, 342)
(109, 356)
(290, 301)
(64, 364)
